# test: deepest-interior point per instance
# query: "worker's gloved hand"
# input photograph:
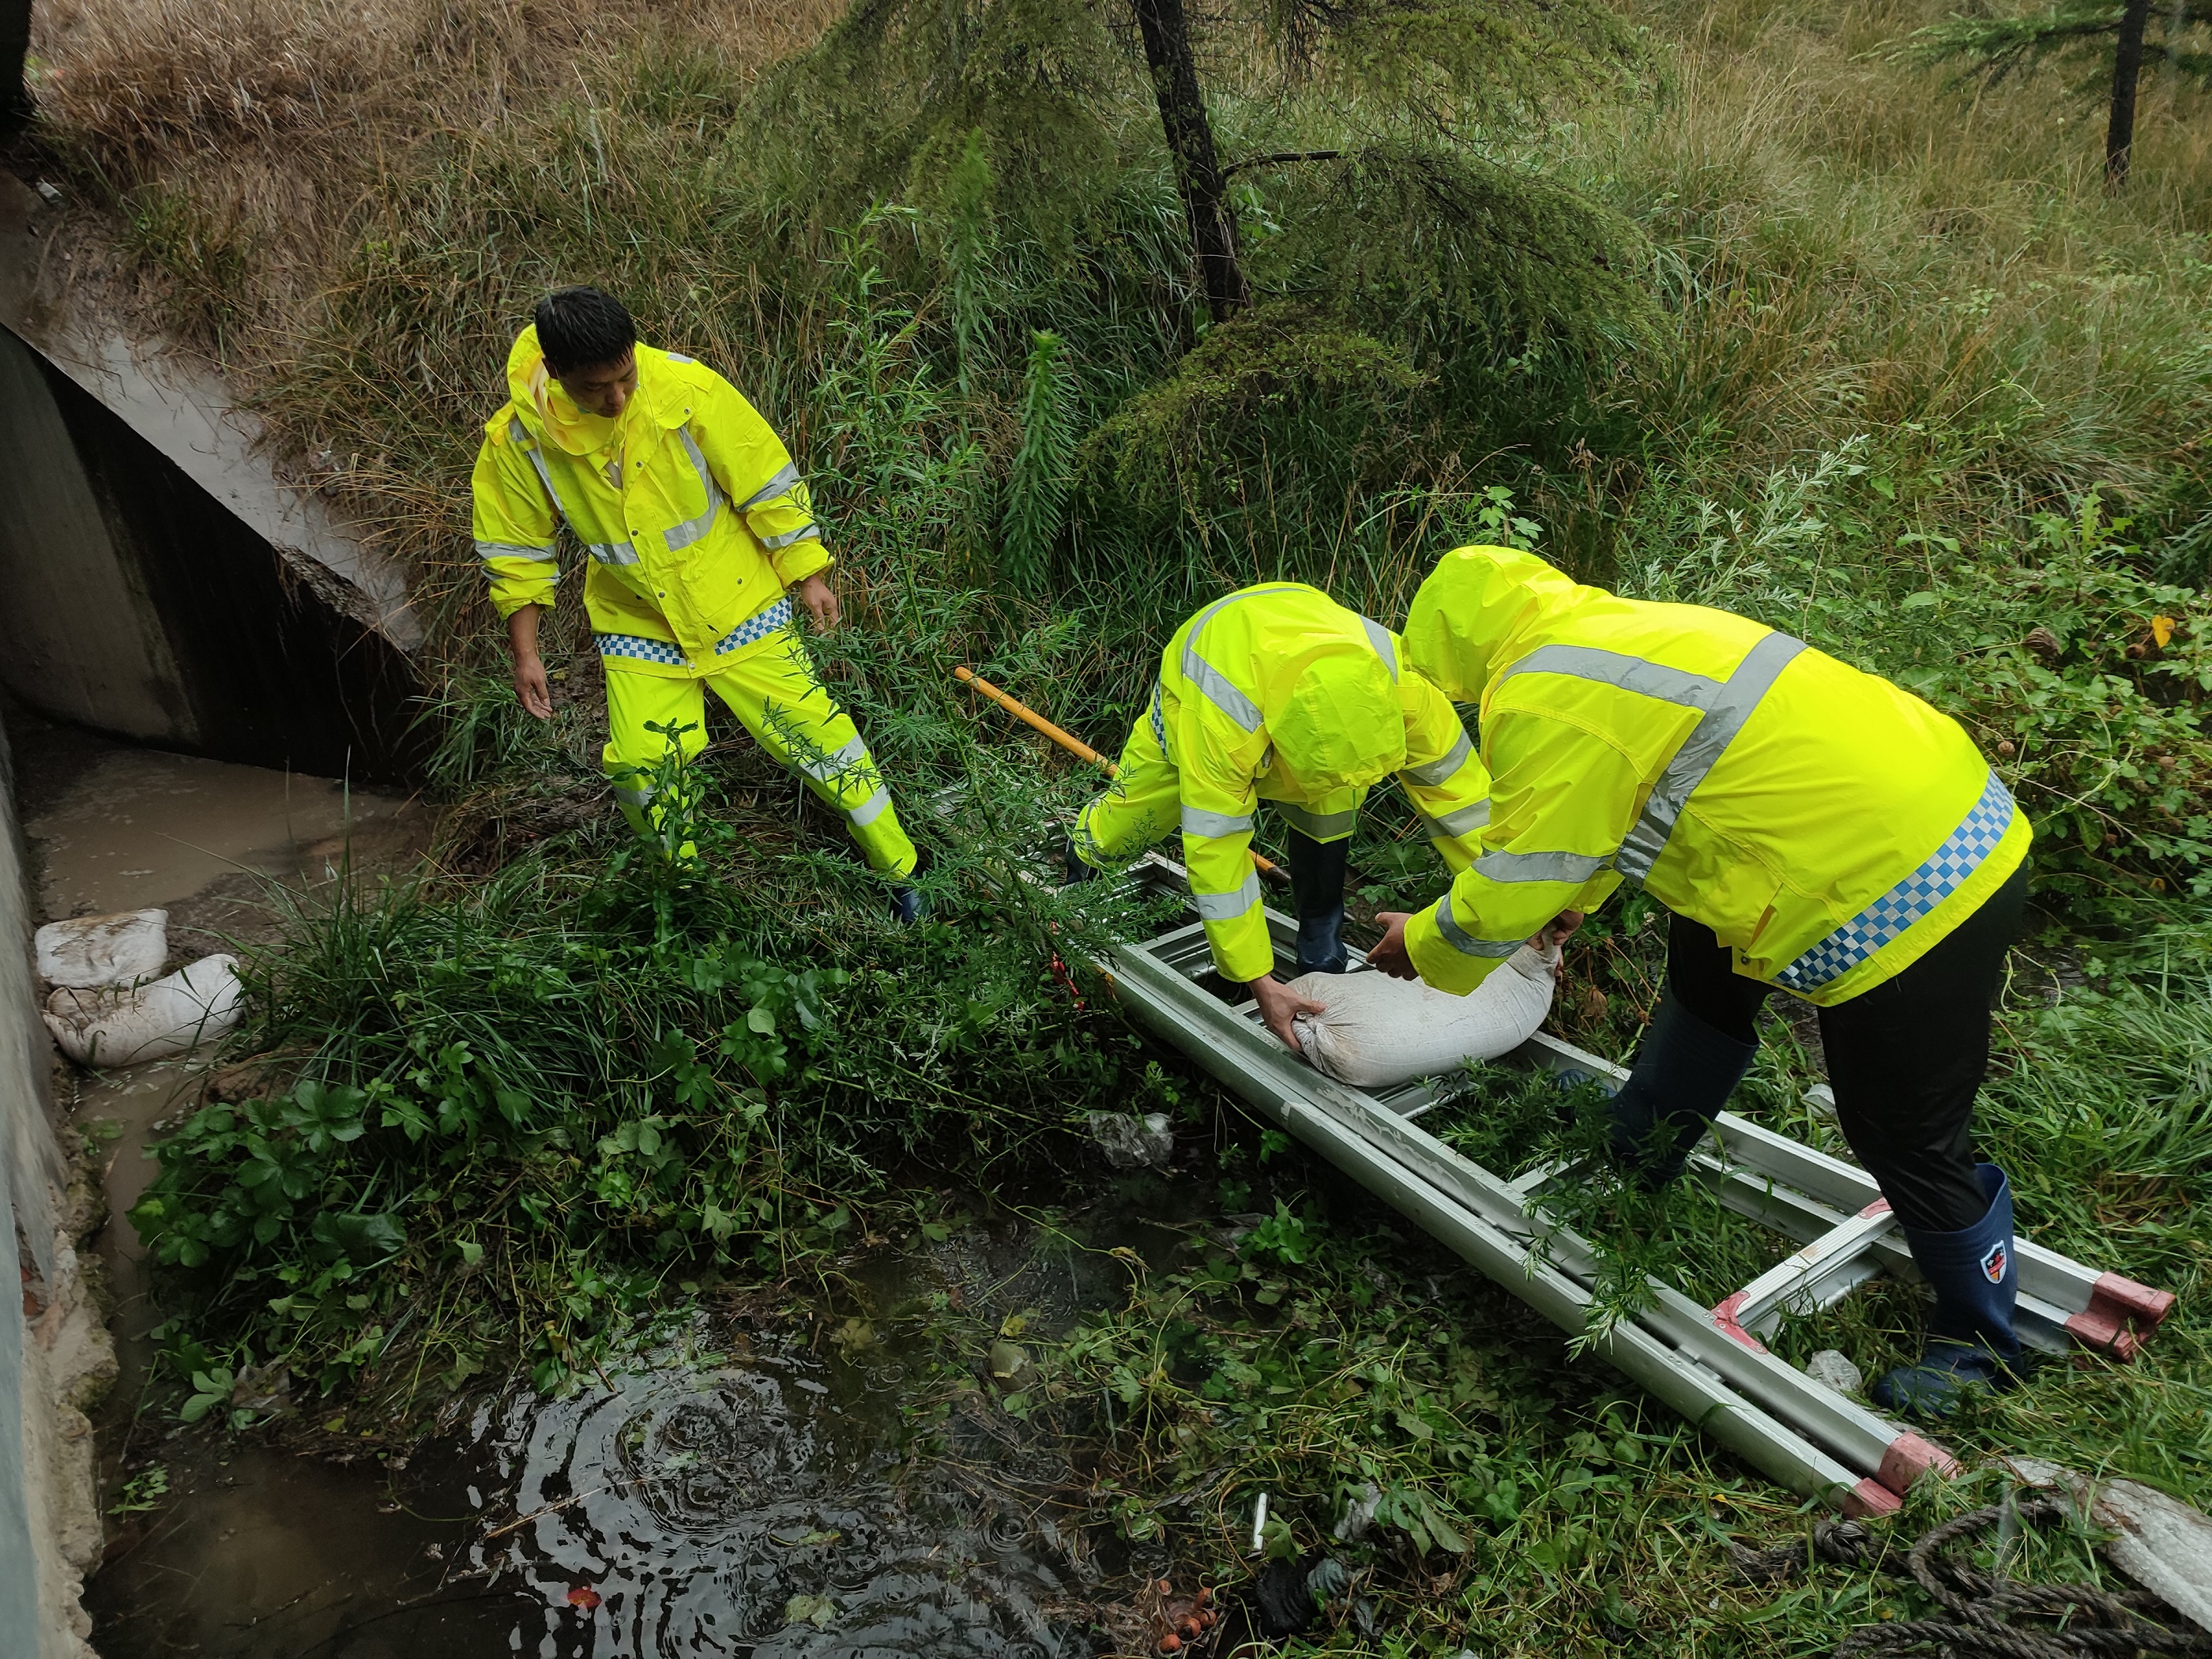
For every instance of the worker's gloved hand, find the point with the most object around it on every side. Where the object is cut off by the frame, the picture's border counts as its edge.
(1390, 956)
(1280, 1006)
(821, 603)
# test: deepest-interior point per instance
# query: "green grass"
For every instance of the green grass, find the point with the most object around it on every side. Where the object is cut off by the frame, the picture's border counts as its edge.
(1827, 345)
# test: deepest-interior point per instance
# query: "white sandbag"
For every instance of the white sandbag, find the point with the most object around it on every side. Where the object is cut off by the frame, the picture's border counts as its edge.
(1379, 1031)
(117, 949)
(113, 1026)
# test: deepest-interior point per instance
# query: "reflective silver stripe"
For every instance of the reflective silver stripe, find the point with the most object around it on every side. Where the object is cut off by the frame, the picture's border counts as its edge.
(1465, 821)
(1379, 637)
(1212, 681)
(871, 809)
(692, 529)
(811, 531)
(1435, 772)
(1318, 826)
(612, 552)
(1577, 867)
(1646, 679)
(679, 357)
(1467, 945)
(519, 435)
(768, 491)
(1725, 717)
(834, 766)
(1197, 821)
(1227, 907)
(513, 551)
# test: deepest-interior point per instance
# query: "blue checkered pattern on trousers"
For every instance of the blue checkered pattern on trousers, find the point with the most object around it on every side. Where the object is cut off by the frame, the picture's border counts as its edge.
(633, 644)
(1948, 866)
(757, 628)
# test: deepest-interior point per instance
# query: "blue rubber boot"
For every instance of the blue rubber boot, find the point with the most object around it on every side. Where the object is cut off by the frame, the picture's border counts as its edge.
(1684, 1072)
(1970, 1342)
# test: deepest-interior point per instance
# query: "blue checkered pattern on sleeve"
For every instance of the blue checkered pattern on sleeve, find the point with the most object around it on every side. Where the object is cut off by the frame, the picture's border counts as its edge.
(1159, 726)
(1948, 866)
(634, 645)
(758, 627)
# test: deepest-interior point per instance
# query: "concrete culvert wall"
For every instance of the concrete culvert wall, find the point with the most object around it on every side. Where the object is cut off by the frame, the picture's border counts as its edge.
(138, 602)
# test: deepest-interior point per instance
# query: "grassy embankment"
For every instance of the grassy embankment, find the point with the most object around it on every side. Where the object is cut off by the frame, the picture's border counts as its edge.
(1865, 360)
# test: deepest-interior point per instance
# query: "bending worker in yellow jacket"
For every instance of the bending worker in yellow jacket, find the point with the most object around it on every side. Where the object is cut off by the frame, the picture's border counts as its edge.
(1809, 827)
(1280, 694)
(698, 530)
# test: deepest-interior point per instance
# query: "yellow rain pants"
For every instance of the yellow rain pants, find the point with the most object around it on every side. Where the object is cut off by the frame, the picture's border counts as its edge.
(776, 696)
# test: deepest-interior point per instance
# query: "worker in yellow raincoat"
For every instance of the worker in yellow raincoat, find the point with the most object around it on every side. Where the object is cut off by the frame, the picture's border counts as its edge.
(1280, 694)
(1810, 827)
(698, 531)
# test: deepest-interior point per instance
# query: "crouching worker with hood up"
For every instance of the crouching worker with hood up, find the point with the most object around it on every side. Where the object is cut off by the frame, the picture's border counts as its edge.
(1810, 827)
(1280, 694)
(699, 531)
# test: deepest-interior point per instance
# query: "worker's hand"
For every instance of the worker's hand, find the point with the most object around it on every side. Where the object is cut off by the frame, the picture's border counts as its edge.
(1390, 956)
(531, 688)
(1280, 1006)
(820, 601)
(1557, 931)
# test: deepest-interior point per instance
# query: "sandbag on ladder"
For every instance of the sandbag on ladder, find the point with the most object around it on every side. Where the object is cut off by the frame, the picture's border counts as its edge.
(1378, 1031)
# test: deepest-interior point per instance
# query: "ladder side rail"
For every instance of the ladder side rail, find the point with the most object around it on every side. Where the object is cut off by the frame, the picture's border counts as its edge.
(1212, 1035)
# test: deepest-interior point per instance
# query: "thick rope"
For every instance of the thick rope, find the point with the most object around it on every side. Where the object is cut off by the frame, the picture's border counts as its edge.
(2084, 1622)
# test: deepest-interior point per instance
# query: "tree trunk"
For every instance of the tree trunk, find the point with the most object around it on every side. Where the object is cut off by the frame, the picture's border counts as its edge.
(1190, 139)
(2127, 69)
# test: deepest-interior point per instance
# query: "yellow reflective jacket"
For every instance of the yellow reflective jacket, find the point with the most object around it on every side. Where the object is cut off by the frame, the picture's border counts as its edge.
(692, 515)
(1828, 826)
(1278, 693)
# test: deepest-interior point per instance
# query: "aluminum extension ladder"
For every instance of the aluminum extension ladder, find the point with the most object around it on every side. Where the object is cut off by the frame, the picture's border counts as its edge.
(1706, 1363)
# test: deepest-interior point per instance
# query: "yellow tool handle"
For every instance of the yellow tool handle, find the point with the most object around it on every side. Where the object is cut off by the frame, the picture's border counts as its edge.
(1068, 740)
(1022, 711)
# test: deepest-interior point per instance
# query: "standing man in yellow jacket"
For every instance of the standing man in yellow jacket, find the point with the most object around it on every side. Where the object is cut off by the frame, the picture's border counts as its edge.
(1810, 827)
(698, 530)
(1280, 694)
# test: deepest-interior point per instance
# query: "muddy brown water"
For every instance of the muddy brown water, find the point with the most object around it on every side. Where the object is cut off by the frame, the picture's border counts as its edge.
(747, 1492)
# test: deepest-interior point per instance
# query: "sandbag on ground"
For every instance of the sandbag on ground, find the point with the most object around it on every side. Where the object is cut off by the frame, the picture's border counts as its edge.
(113, 1027)
(1379, 1031)
(118, 950)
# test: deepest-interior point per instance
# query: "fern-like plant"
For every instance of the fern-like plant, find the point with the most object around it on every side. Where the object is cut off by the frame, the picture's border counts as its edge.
(1037, 487)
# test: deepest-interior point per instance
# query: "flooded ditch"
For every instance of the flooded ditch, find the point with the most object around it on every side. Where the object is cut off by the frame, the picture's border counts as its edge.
(757, 1489)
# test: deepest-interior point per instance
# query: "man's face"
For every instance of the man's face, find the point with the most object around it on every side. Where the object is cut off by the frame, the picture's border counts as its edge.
(605, 388)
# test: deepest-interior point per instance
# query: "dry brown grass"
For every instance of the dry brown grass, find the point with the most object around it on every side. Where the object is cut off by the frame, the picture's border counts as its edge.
(268, 127)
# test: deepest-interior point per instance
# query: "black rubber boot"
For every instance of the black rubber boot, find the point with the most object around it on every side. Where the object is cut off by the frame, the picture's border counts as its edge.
(1970, 1342)
(910, 904)
(1684, 1073)
(1072, 869)
(1317, 870)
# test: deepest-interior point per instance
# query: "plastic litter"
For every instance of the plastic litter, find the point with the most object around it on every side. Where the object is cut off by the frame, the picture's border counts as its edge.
(118, 950)
(116, 1026)
(1131, 1142)
(1379, 1031)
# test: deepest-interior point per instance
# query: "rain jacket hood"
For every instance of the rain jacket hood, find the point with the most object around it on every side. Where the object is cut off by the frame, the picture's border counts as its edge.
(1334, 718)
(553, 418)
(1484, 609)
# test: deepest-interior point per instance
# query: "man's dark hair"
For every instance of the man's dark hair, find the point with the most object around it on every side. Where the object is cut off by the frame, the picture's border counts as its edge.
(583, 328)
